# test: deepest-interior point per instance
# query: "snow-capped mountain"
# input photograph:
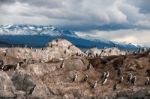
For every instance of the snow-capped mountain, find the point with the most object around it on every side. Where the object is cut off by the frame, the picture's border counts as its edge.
(32, 30)
(38, 36)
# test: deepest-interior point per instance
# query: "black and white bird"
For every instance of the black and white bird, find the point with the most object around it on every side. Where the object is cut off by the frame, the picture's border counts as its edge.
(51, 45)
(5, 54)
(85, 78)
(65, 51)
(147, 82)
(75, 77)
(104, 81)
(107, 74)
(120, 79)
(62, 64)
(103, 76)
(1, 64)
(133, 80)
(17, 66)
(129, 77)
(119, 72)
(8, 67)
(89, 66)
(70, 46)
(115, 86)
(94, 85)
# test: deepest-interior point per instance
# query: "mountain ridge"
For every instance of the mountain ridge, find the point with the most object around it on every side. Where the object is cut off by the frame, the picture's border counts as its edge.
(38, 35)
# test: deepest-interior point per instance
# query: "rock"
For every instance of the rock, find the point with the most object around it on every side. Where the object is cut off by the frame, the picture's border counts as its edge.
(122, 98)
(74, 64)
(6, 86)
(41, 91)
(68, 96)
(20, 95)
(105, 52)
(23, 82)
(140, 94)
(42, 78)
(48, 53)
(40, 69)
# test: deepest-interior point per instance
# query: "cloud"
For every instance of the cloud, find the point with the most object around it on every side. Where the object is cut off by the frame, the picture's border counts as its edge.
(6, 1)
(77, 14)
(127, 35)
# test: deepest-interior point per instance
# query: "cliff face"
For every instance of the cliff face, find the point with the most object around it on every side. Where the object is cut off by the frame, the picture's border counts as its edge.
(71, 74)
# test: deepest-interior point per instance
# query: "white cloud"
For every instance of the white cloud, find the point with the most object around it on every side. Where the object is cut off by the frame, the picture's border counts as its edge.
(128, 35)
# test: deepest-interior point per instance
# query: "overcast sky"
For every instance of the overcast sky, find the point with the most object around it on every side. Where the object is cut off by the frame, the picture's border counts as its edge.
(121, 20)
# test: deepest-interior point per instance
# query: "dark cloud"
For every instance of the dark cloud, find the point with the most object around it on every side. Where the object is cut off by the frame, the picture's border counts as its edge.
(6, 2)
(143, 5)
(42, 3)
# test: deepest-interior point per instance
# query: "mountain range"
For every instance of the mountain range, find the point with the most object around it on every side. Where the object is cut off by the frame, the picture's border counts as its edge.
(38, 36)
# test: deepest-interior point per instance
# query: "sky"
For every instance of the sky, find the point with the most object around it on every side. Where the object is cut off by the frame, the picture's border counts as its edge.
(119, 20)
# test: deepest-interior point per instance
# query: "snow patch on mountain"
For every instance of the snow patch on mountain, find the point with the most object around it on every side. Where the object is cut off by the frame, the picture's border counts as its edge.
(33, 30)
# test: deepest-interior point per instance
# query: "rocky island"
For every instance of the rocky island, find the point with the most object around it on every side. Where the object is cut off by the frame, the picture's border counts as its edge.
(60, 70)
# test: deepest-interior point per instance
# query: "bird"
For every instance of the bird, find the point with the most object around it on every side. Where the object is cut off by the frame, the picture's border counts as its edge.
(17, 66)
(65, 51)
(129, 78)
(25, 46)
(104, 81)
(115, 86)
(89, 66)
(75, 77)
(119, 72)
(5, 54)
(147, 82)
(1, 64)
(62, 64)
(133, 80)
(69, 46)
(8, 67)
(94, 85)
(107, 74)
(51, 45)
(103, 75)
(85, 78)
(120, 79)
(77, 54)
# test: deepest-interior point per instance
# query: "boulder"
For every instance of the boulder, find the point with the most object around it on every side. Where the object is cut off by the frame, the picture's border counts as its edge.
(23, 82)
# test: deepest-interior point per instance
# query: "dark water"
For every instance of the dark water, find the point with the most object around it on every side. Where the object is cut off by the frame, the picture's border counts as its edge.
(38, 41)
(29, 40)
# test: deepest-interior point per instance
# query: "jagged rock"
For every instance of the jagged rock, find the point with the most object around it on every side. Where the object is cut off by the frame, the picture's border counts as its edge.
(6, 86)
(75, 64)
(105, 52)
(23, 82)
(40, 69)
(41, 91)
